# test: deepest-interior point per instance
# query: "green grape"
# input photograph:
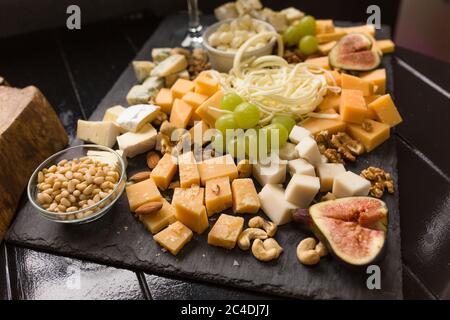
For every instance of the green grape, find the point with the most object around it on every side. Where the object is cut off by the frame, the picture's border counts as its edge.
(225, 122)
(308, 45)
(306, 26)
(291, 36)
(246, 115)
(285, 121)
(230, 101)
(282, 134)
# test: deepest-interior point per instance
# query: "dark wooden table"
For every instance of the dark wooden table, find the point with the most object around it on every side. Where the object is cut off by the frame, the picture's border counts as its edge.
(76, 69)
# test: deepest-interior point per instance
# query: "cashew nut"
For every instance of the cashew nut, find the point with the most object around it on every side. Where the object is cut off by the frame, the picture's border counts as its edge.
(248, 235)
(309, 253)
(266, 250)
(259, 222)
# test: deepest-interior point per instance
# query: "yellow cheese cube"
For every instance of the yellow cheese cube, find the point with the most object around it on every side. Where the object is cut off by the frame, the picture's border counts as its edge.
(189, 174)
(353, 106)
(157, 221)
(181, 87)
(205, 84)
(370, 113)
(189, 208)
(218, 195)
(326, 47)
(208, 115)
(164, 171)
(330, 101)
(164, 99)
(181, 114)
(315, 125)
(226, 231)
(223, 166)
(385, 110)
(111, 114)
(245, 197)
(386, 46)
(355, 83)
(198, 133)
(174, 237)
(324, 26)
(321, 62)
(141, 193)
(330, 36)
(378, 78)
(380, 132)
(366, 28)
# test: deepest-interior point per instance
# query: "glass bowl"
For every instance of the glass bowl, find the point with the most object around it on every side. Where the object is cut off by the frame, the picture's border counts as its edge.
(94, 211)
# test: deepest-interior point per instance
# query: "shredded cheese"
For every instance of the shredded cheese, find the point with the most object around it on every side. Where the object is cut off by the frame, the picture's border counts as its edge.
(273, 85)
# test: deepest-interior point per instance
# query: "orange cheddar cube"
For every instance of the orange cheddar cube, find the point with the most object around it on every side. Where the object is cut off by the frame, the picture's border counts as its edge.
(321, 62)
(245, 197)
(353, 106)
(205, 84)
(157, 221)
(386, 46)
(223, 166)
(194, 99)
(141, 193)
(164, 171)
(378, 78)
(198, 133)
(380, 132)
(181, 114)
(189, 208)
(174, 237)
(366, 28)
(218, 195)
(315, 125)
(385, 110)
(181, 87)
(355, 83)
(330, 101)
(164, 99)
(226, 231)
(189, 174)
(205, 113)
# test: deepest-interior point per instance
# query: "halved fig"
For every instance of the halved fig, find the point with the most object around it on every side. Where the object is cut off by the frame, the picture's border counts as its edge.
(355, 52)
(353, 228)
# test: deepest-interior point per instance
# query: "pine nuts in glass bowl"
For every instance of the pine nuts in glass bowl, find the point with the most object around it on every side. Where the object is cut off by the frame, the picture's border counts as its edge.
(77, 185)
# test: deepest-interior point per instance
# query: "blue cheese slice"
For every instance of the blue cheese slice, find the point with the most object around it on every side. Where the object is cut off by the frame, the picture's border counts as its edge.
(160, 54)
(134, 117)
(99, 132)
(138, 94)
(153, 84)
(172, 64)
(134, 143)
(142, 69)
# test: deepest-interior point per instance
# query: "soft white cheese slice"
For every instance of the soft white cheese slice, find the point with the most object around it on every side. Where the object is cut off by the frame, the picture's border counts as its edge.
(274, 205)
(134, 143)
(171, 64)
(99, 132)
(134, 117)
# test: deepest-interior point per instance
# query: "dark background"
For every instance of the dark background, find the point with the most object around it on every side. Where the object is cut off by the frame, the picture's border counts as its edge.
(75, 69)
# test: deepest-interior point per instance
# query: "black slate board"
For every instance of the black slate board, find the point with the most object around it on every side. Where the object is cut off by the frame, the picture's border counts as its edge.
(119, 239)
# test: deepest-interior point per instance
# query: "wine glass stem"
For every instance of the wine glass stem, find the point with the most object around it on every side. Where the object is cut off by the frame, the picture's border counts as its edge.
(194, 21)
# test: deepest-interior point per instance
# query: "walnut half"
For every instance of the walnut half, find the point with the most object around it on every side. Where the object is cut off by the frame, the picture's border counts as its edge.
(380, 181)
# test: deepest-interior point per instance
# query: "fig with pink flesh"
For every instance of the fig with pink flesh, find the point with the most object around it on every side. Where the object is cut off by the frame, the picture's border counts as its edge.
(355, 52)
(353, 228)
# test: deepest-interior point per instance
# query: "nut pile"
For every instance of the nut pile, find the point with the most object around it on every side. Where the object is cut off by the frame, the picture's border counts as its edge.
(72, 185)
(339, 146)
(380, 181)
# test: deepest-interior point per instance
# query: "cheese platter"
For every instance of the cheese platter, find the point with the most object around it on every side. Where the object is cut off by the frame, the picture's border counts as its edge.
(260, 225)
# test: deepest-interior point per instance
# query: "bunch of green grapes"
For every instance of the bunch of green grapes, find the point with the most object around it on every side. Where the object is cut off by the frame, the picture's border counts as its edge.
(302, 34)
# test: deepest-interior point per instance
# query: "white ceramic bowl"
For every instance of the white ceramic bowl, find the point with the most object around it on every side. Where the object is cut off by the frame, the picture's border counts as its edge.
(223, 61)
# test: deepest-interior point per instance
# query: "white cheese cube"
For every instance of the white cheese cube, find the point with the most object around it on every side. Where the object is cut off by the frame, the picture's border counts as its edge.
(111, 114)
(134, 143)
(288, 152)
(153, 84)
(298, 133)
(327, 172)
(275, 205)
(142, 69)
(274, 173)
(99, 132)
(138, 94)
(171, 64)
(308, 149)
(301, 166)
(349, 184)
(134, 117)
(302, 189)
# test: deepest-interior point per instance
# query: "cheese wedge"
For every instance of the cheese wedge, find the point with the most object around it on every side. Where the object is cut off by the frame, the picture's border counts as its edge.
(133, 118)
(134, 143)
(99, 132)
